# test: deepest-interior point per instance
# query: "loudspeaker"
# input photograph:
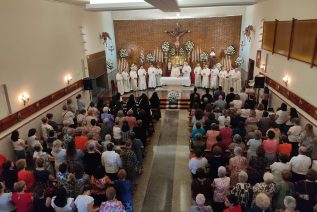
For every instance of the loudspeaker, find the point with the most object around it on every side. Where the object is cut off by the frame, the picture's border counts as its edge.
(87, 84)
(259, 82)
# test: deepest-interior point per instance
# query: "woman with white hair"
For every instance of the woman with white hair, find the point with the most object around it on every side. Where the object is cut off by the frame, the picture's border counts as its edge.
(58, 153)
(237, 164)
(262, 203)
(200, 201)
(267, 187)
(221, 187)
(242, 190)
(289, 204)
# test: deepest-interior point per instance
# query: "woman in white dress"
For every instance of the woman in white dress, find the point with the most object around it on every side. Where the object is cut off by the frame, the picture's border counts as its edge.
(142, 78)
(214, 77)
(205, 73)
(197, 72)
(186, 74)
(134, 80)
(158, 76)
(175, 71)
(126, 81)
(120, 86)
(152, 76)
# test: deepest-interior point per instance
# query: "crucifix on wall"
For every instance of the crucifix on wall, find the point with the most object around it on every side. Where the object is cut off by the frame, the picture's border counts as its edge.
(177, 33)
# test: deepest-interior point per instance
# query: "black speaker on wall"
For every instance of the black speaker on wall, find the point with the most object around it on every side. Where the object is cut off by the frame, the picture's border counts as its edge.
(259, 82)
(87, 84)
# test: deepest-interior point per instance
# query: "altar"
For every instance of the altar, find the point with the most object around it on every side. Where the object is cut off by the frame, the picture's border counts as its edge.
(175, 80)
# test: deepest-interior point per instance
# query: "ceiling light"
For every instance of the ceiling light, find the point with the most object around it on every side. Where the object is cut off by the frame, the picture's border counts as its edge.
(114, 1)
(177, 14)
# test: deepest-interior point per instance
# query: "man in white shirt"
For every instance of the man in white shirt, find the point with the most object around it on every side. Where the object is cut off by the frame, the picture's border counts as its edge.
(152, 76)
(205, 74)
(158, 75)
(197, 162)
(214, 77)
(300, 164)
(197, 72)
(142, 78)
(45, 127)
(84, 202)
(175, 71)
(111, 161)
(186, 74)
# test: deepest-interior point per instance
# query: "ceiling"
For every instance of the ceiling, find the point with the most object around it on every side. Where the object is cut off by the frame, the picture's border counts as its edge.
(163, 5)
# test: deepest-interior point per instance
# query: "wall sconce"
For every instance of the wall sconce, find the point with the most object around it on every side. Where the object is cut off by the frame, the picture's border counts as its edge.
(263, 67)
(24, 97)
(285, 80)
(68, 79)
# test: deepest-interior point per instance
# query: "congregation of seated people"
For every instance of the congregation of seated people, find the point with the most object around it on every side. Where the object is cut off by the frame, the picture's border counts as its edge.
(246, 157)
(89, 162)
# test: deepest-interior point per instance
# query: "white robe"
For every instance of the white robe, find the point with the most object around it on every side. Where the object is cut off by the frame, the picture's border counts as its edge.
(142, 79)
(186, 74)
(197, 72)
(236, 76)
(214, 78)
(134, 80)
(205, 73)
(152, 78)
(158, 76)
(175, 72)
(120, 86)
(126, 81)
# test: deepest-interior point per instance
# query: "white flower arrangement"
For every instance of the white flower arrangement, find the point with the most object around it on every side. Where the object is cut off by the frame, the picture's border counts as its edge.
(203, 57)
(229, 51)
(219, 65)
(173, 96)
(150, 58)
(123, 53)
(165, 46)
(109, 64)
(181, 51)
(239, 61)
(133, 67)
(172, 52)
(189, 46)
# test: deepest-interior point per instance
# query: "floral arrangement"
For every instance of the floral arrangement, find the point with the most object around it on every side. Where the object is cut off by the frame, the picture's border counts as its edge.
(239, 61)
(181, 51)
(172, 52)
(133, 67)
(230, 51)
(189, 46)
(172, 97)
(165, 46)
(150, 58)
(219, 65)
(203, 57)
(109, 64)
(123, 53)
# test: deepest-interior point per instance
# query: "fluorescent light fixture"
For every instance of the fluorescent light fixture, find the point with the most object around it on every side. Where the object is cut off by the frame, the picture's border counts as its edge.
(177, 14)
(114, 1)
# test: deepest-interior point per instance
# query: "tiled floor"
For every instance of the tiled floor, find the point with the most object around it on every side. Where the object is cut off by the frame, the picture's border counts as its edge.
(165, 184)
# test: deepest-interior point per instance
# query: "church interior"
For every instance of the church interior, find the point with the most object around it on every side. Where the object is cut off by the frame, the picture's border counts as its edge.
(158, 105)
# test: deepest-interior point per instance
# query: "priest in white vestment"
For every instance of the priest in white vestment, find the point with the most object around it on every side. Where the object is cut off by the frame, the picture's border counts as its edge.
(236, 76)
(197, 72)
(214, 77)
(175, 71)
(186, 74)
(126, 81)
(142, 78)
(158, 75)
(205, 73)
(134, 80)
(152, 76)
(119, 80)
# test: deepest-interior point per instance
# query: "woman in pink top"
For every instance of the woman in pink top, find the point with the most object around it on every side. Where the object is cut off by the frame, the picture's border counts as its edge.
(226, 135)
(270, 147)
(131, 119)
(211, 136)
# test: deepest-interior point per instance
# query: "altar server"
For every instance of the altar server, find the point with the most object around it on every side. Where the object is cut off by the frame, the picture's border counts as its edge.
(214, 77)
(126, 81)
(236, 76)
(134, 79)
(142, 78)
(197, 72)
(152, 76)
(119, 79)
(205, 73)
(175, 71)
(158, 75)
(186, 74)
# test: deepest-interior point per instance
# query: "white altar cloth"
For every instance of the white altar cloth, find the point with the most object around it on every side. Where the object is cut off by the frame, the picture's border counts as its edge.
(175, 80)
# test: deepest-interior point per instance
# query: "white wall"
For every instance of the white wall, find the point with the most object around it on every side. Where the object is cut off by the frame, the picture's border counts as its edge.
(302, 77)
(40, 43)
